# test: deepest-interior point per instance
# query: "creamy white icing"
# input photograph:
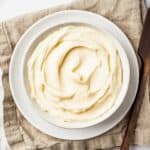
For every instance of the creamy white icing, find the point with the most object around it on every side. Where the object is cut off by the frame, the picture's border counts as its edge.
(75, 73)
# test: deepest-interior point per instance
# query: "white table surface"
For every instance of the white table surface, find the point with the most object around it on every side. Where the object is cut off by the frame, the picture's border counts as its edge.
(9, 9)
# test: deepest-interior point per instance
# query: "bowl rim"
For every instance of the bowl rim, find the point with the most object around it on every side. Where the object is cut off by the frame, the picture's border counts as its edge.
(125, 66)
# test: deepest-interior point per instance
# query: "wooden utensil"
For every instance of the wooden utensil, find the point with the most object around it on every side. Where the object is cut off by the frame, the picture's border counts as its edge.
(144, 53)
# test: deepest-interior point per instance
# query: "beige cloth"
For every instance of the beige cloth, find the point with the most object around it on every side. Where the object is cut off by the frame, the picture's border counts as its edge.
(21, 135)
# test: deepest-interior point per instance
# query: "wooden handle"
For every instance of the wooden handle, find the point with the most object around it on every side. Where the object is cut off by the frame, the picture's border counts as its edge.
(135, 109)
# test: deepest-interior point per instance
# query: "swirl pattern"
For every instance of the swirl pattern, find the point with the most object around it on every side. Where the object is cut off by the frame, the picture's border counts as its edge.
(75, 73)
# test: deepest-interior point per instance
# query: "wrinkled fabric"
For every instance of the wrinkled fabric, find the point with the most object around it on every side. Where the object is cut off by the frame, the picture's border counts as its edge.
(20, 134)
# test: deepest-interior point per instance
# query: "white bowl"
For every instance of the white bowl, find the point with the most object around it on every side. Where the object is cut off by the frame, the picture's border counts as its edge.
(124, 62)
(125, 69)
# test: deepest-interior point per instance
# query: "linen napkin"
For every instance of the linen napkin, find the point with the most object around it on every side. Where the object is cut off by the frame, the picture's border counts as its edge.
(20, 134)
